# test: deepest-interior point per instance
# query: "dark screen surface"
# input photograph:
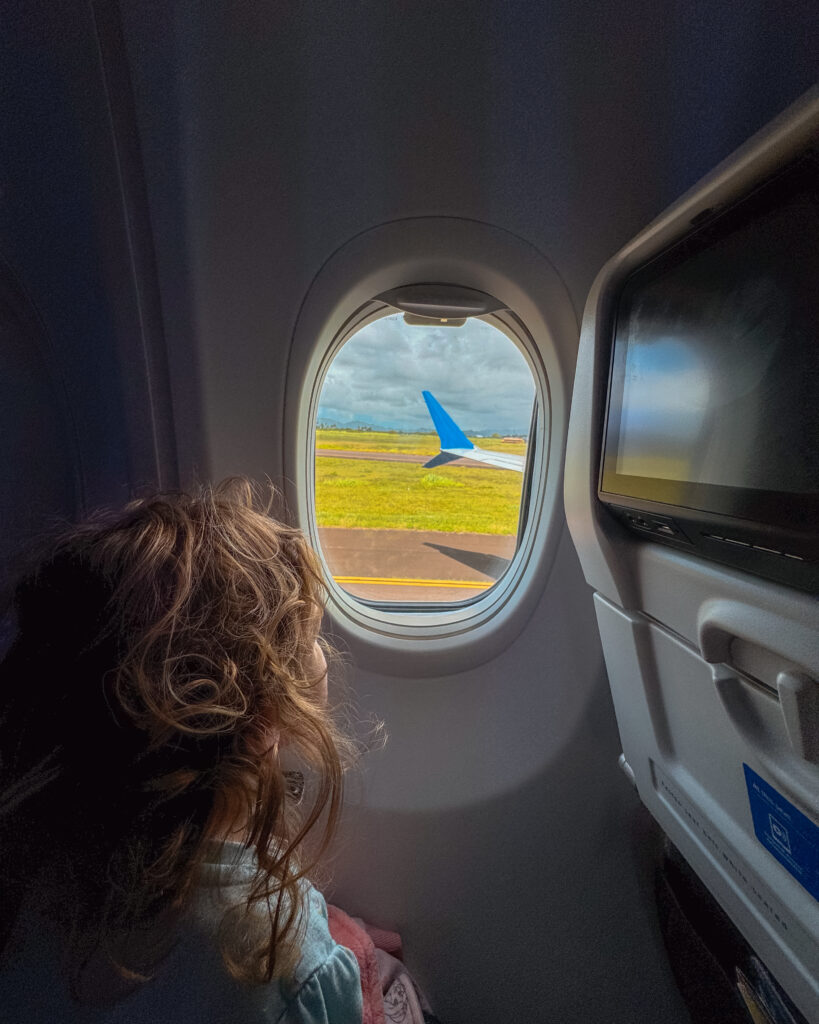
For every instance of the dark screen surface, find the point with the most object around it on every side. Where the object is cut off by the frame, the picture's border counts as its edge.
(714, 400)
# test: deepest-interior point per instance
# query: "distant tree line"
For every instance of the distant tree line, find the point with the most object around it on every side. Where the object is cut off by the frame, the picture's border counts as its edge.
(366, 428)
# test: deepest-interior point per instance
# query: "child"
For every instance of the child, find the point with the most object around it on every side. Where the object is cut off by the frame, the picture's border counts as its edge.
(153, 850)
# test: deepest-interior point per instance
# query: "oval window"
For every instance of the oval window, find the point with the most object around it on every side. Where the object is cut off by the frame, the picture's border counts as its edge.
(422, 456)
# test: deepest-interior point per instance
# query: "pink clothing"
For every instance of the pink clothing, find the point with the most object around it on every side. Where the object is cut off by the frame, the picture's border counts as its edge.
(389, 992)
(346, 932)
(390, 942)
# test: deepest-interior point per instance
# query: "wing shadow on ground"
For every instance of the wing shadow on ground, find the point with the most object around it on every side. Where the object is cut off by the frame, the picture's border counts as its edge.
(491, 565)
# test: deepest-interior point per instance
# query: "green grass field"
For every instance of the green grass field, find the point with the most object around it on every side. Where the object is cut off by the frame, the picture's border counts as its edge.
(405, 496)
(418, 444)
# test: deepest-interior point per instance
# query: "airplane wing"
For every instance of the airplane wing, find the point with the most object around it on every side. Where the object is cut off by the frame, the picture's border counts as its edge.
(456, 445)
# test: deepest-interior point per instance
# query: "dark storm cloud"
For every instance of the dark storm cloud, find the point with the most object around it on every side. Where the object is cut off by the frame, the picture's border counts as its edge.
(476, 373)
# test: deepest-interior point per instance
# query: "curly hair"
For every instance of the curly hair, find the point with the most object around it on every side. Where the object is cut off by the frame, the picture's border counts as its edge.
(165, 655)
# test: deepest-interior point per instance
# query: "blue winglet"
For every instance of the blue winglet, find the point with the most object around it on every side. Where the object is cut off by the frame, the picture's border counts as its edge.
(450, 434)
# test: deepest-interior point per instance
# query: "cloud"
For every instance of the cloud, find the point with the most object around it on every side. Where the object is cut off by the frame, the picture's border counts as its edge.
(475, 371)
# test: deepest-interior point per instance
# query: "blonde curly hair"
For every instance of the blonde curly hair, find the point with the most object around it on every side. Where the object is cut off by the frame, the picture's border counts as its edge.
(166, 654)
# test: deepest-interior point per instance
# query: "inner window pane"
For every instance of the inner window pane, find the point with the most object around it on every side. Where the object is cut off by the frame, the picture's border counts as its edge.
(421, 441)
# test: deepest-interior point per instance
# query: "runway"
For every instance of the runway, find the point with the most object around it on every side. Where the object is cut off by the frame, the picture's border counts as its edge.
(415, 565)
(419, 460)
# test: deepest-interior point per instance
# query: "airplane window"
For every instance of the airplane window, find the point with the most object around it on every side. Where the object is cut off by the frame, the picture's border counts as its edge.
(421, 446)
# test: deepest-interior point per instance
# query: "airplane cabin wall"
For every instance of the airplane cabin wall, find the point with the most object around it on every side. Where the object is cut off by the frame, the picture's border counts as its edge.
(494, 829)
(86, 417)
(272, 135)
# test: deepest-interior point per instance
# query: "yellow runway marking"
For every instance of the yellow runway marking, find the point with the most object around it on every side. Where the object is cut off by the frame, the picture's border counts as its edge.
(400, 581)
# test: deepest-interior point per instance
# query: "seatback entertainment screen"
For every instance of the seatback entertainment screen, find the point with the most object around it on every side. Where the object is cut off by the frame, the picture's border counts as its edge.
(714, 391)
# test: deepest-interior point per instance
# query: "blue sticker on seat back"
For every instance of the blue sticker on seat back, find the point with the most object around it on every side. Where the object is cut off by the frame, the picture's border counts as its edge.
(784, 831)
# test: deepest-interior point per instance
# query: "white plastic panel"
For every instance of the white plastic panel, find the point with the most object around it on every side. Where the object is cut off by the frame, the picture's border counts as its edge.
(711, 669)
(686, 754)
(443, 249)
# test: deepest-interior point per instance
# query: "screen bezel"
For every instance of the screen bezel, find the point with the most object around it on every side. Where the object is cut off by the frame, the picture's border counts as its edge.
(790, 510)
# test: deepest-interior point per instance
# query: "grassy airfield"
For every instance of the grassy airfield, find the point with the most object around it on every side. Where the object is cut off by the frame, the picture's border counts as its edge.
(404, 496)
(415, 444)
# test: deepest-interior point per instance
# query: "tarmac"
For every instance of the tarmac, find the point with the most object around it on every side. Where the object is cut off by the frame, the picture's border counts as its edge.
(415, 565)
(419, 460)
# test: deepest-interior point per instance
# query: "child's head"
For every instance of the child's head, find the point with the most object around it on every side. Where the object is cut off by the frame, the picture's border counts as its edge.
(166, 655)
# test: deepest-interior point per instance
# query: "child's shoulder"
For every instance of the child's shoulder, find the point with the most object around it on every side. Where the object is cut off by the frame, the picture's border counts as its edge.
(327, 984)
(325, 987)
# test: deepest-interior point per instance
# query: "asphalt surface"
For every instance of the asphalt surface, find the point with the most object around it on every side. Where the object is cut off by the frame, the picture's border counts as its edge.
(415, 565)
(333, 453)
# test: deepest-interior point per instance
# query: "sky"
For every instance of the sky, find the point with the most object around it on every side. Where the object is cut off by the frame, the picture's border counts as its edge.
(475, 372)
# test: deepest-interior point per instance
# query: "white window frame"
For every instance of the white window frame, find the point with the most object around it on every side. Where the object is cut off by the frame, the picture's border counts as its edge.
(534, 475)
(540, 320)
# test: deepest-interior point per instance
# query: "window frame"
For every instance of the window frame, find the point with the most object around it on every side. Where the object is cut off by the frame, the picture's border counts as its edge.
(437, 615)
(421, 644)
